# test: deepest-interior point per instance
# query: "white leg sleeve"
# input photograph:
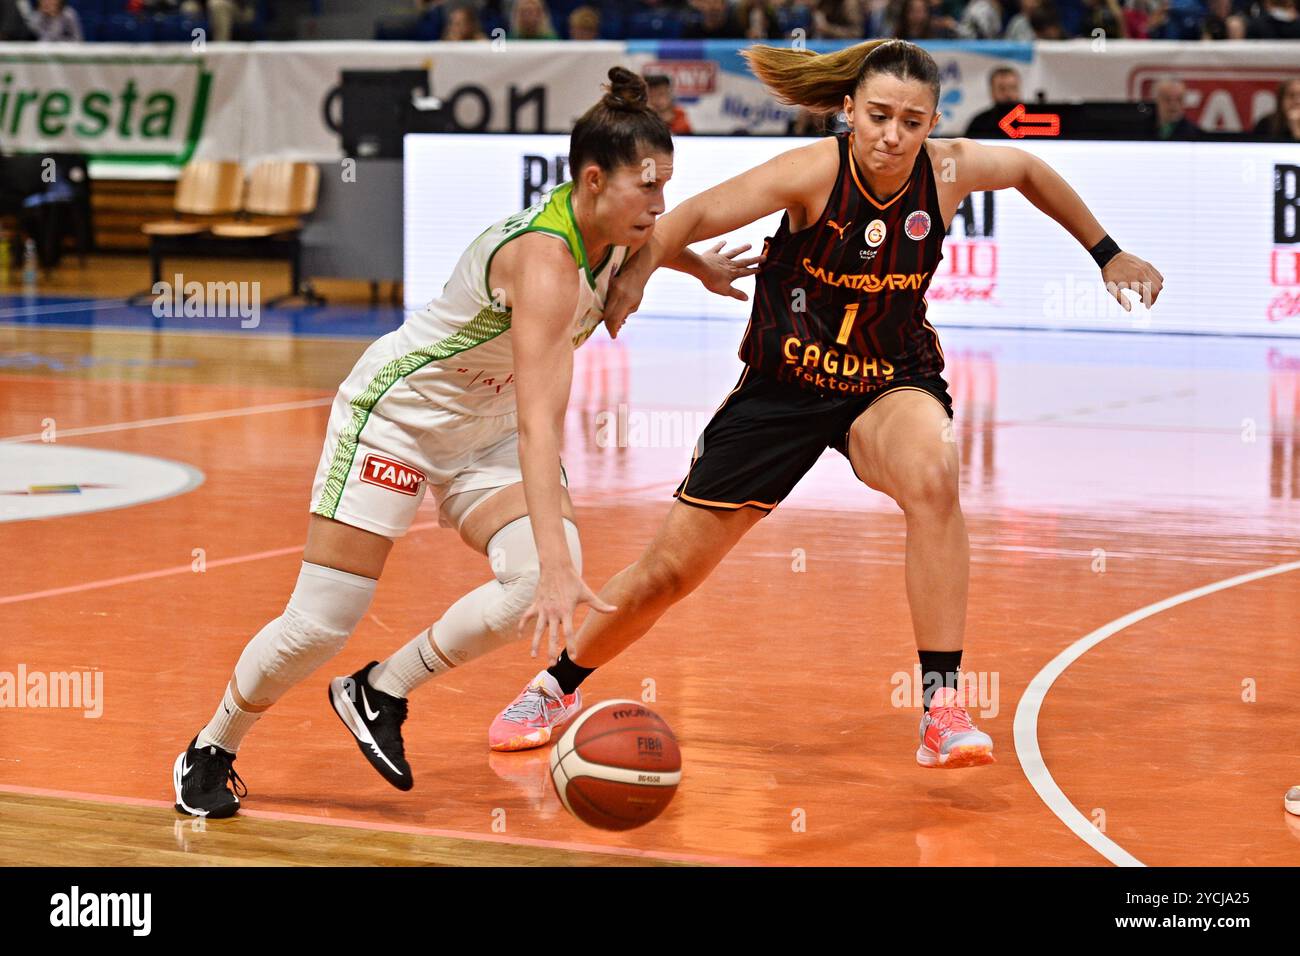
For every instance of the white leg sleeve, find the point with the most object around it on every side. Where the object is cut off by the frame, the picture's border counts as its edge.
(326, 607)
(481, 621)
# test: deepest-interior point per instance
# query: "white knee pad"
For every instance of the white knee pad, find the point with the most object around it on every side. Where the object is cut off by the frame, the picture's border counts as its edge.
(512, 552)
(326, 607)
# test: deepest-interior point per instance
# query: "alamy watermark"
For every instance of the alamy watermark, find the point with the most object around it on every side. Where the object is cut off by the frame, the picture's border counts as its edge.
(75, 909)
(208, 300)
(55, 690)
(974, 689)
(654, 428)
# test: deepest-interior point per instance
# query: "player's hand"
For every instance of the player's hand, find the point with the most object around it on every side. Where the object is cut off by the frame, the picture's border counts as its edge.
(559, 592)
(1127, 271)
(723, 268)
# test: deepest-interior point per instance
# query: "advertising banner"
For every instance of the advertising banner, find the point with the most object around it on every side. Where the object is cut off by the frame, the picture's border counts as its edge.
(1218, 220)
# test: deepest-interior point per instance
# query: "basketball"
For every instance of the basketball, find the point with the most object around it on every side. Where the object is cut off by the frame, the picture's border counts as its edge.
(617, 766)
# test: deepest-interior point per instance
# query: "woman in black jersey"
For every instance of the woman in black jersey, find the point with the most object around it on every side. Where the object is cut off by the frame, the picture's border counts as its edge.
(838, 352)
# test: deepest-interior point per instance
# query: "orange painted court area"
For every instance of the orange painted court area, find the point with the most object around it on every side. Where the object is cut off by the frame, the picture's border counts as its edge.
(1092, 491)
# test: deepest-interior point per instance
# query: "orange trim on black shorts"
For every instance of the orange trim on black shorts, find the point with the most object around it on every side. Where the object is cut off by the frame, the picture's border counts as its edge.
(695, 457)
(729, 505)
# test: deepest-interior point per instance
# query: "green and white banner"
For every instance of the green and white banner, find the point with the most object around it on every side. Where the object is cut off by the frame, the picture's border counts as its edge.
(145, 109)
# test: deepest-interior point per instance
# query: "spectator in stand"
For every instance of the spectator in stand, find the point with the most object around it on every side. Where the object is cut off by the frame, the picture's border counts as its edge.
(712, 22)
(164, 8)
(1147, 20)
(757, 18)
(982, 20)
(1046, 22)
(226, 17)
(530, 20)
(875, 18)
(1283, 124)
(51, 22)
(1019, 27)
(1004, 90)
(462, 24)
(914, 20)
(838, 20)
(1221, 23)
(12, 25)
(807, 123)
(659, 96)
(1274, 20)
(1103, 15)
(1171, 115)
(584, 24)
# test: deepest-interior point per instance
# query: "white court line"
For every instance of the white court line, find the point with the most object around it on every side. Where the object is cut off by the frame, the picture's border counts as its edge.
(175, 419)
(1031, 702)
(89, 305)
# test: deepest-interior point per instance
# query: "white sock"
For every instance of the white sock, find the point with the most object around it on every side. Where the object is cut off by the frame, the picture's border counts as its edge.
(412, 665)
(228, 726)
(481, 621)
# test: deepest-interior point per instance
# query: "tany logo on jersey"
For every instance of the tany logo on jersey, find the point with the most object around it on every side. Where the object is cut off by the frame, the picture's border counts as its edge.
(390, 474)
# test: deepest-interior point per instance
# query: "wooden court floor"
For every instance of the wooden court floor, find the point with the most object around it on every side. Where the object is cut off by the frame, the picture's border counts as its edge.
(1101, 490)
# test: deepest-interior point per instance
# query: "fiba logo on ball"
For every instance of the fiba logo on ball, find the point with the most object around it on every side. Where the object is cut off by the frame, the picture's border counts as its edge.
(618, 766)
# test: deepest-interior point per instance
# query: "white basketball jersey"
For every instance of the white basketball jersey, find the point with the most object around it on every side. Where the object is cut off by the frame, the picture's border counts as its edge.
(457, 351)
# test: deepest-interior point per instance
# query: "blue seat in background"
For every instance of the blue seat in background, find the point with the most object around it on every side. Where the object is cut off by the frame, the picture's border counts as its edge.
(95, 8)
(430, 25)
(122, 28)
(177, 28)
(790, 19)
(611, 21)
(653, 25)
(90, 25)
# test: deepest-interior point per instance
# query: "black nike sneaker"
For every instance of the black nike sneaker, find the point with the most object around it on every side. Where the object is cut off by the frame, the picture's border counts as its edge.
(201, 776)
(375, 720)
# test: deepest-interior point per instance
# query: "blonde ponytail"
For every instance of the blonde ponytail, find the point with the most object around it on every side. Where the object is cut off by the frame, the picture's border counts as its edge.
(820, 81)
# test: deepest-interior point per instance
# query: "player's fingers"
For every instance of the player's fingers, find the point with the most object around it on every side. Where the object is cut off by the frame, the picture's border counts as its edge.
(537, 631)
(552, 637)
(717, 246)
(566, 631)
(747, 263)
(592, 600)
(732, 253)
(737, 294)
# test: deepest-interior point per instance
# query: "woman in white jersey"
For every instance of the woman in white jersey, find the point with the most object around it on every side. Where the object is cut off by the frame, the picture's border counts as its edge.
(467, 399)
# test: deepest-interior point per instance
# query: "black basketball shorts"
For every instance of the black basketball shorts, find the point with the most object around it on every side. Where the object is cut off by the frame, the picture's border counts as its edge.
(767, 434)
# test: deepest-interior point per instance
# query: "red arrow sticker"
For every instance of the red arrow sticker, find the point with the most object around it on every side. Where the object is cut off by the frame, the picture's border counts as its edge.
(1030, 124)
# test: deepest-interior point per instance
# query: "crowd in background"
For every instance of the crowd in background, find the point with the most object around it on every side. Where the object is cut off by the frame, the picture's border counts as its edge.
(1020, 20)
(770, 20)
(454, 20)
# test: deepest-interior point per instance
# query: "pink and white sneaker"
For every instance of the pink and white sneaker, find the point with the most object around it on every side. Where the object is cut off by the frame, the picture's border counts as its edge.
(540, 708)
(948, 738)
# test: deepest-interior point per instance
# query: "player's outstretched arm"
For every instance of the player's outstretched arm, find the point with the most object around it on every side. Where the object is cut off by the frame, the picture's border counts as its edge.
(783, 182)
(979, 167)
(543, 298)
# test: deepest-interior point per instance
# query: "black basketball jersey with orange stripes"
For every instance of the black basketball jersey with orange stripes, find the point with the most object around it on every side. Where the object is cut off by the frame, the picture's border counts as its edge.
(839, 307)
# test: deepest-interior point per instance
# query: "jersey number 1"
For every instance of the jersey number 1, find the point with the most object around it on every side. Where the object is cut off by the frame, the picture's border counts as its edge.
(850, 316)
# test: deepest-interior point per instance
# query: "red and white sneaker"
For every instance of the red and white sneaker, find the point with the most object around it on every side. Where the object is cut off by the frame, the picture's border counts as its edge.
(948, 738)
(540, 708)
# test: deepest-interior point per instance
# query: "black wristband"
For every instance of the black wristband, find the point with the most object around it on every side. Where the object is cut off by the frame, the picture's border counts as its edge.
(1104, 251)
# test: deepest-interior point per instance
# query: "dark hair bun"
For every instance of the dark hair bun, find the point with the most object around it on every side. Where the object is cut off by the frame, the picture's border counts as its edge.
(627, 91)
